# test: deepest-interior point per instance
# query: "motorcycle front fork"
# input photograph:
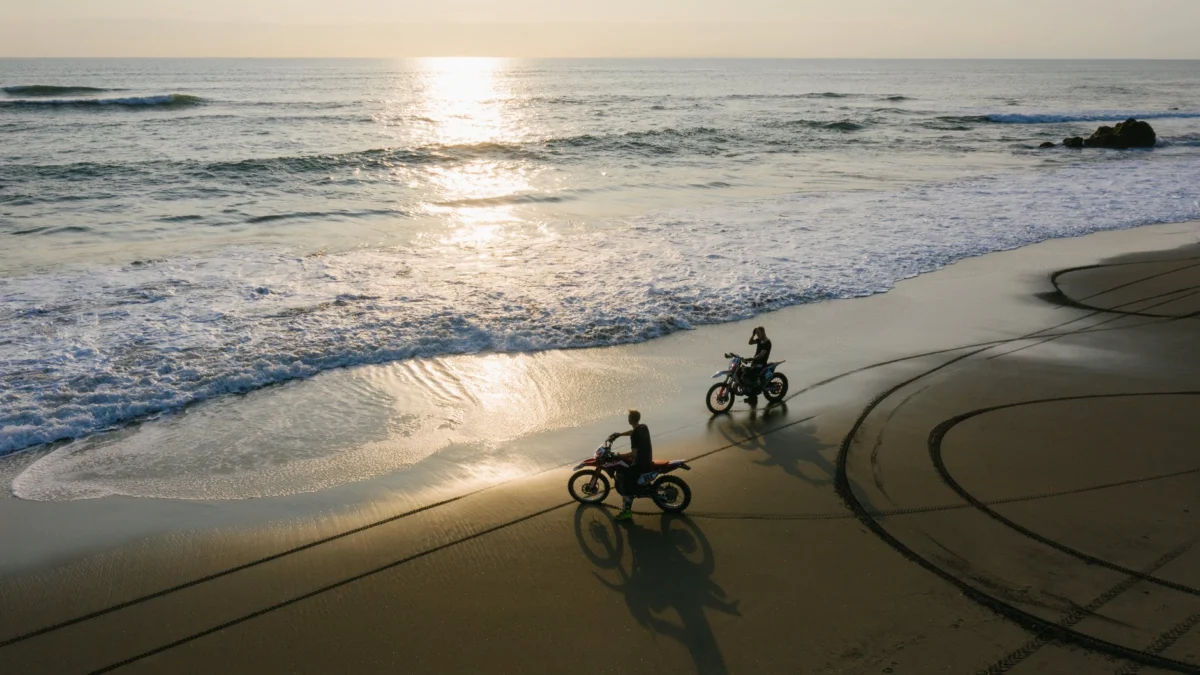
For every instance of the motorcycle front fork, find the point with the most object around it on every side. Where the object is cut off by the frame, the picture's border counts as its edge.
(737, 387)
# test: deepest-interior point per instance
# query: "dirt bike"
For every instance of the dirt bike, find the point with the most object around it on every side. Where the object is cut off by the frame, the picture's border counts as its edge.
(739, 382)
(590, 484)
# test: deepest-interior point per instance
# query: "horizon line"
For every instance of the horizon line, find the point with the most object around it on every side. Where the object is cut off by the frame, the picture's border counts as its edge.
(607, 58)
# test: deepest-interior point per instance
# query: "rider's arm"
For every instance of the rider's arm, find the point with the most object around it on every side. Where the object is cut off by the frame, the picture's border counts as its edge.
(628, 456)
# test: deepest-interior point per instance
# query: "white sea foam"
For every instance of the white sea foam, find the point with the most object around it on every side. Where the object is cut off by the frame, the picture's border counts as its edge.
(350, 426)
(98, 347)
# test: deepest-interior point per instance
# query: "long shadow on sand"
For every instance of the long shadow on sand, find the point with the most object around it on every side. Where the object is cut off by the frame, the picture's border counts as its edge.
(800, 458)
(670, 569)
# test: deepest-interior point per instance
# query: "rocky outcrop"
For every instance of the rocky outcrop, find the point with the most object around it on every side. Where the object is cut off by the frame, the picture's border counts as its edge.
(1128, 134)
(1047, 144)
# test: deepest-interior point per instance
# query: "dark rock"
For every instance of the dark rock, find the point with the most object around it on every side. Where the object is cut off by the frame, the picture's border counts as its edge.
(1073, 142)
(1128, 134)
(1102, 137)
(1045, 145)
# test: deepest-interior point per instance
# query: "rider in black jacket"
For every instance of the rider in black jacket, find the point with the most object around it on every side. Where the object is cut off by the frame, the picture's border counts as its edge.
(640, 461)
(762, 354)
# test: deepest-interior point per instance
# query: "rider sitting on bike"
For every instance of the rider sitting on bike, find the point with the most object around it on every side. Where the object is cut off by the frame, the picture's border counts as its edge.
(761, 355)
(640, 461)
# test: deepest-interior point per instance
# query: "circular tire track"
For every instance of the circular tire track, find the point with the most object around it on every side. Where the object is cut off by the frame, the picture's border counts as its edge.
(1042, 628)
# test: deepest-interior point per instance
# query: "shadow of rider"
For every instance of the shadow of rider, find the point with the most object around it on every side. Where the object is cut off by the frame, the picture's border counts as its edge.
(803, 457)
(670, 570)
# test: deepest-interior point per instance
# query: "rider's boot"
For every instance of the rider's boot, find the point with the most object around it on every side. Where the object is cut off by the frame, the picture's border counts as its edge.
(626, 510)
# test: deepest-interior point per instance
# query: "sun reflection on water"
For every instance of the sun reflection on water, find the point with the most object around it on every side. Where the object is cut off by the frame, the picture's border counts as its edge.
(465, 98)
(467, 102)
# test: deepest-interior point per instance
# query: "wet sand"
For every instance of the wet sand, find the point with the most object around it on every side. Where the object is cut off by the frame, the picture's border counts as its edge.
(992, 468)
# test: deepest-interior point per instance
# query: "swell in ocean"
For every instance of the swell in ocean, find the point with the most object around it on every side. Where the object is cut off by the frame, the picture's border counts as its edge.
(775, 137)
(96, 348)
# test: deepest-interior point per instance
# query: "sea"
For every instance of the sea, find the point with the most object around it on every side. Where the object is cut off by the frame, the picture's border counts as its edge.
(178, 231)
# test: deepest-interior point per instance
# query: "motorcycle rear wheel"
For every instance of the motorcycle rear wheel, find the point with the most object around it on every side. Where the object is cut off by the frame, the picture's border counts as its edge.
(579, 482)
(777, 388)
(671, 494)
(719, 399)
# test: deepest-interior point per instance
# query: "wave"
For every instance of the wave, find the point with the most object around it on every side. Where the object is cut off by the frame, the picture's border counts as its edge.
(321, 215)
(1110, 116)
(162, 101)
(377, 158)
(651, 142)
(964, 119)
(508, 200)
(810, 95)
(1187, 140)
(50, 90)
(841, 125)
(844, 125)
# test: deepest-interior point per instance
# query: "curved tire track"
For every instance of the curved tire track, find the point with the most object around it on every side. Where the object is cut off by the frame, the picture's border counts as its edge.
(939, 432)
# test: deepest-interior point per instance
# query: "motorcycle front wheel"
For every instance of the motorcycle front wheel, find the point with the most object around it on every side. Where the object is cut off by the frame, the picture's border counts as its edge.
(672, 494)
(720, 398)
(777, 388)
(584, 490)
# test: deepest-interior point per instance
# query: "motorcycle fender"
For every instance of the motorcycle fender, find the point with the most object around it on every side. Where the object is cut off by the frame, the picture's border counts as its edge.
(723, 373)
(684, 466)
(579, 466)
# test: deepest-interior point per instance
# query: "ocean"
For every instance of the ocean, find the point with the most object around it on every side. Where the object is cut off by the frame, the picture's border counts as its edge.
(173, 231)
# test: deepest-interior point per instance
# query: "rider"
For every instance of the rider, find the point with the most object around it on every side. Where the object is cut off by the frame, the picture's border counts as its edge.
(761, 355)
(640, 461)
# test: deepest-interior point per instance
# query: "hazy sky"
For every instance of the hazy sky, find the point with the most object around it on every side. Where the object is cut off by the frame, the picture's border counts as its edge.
(799, 28)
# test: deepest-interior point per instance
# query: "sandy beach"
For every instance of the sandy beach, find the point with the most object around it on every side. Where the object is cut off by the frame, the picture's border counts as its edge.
(990, 469)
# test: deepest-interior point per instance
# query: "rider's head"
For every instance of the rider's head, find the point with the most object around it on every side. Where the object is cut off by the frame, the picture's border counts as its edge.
(759, 333)
(634, 418)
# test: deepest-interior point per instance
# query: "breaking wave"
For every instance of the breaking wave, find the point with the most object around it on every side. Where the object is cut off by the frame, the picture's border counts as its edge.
(1108, 116)
(50, 90)
(162, 101)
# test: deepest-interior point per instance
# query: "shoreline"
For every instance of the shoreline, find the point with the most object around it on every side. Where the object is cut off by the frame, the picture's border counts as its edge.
(996, 542)
(680, 364)
(1020, 472)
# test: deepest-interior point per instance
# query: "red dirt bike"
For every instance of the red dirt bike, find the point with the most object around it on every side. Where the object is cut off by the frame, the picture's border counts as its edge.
(590, 483)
